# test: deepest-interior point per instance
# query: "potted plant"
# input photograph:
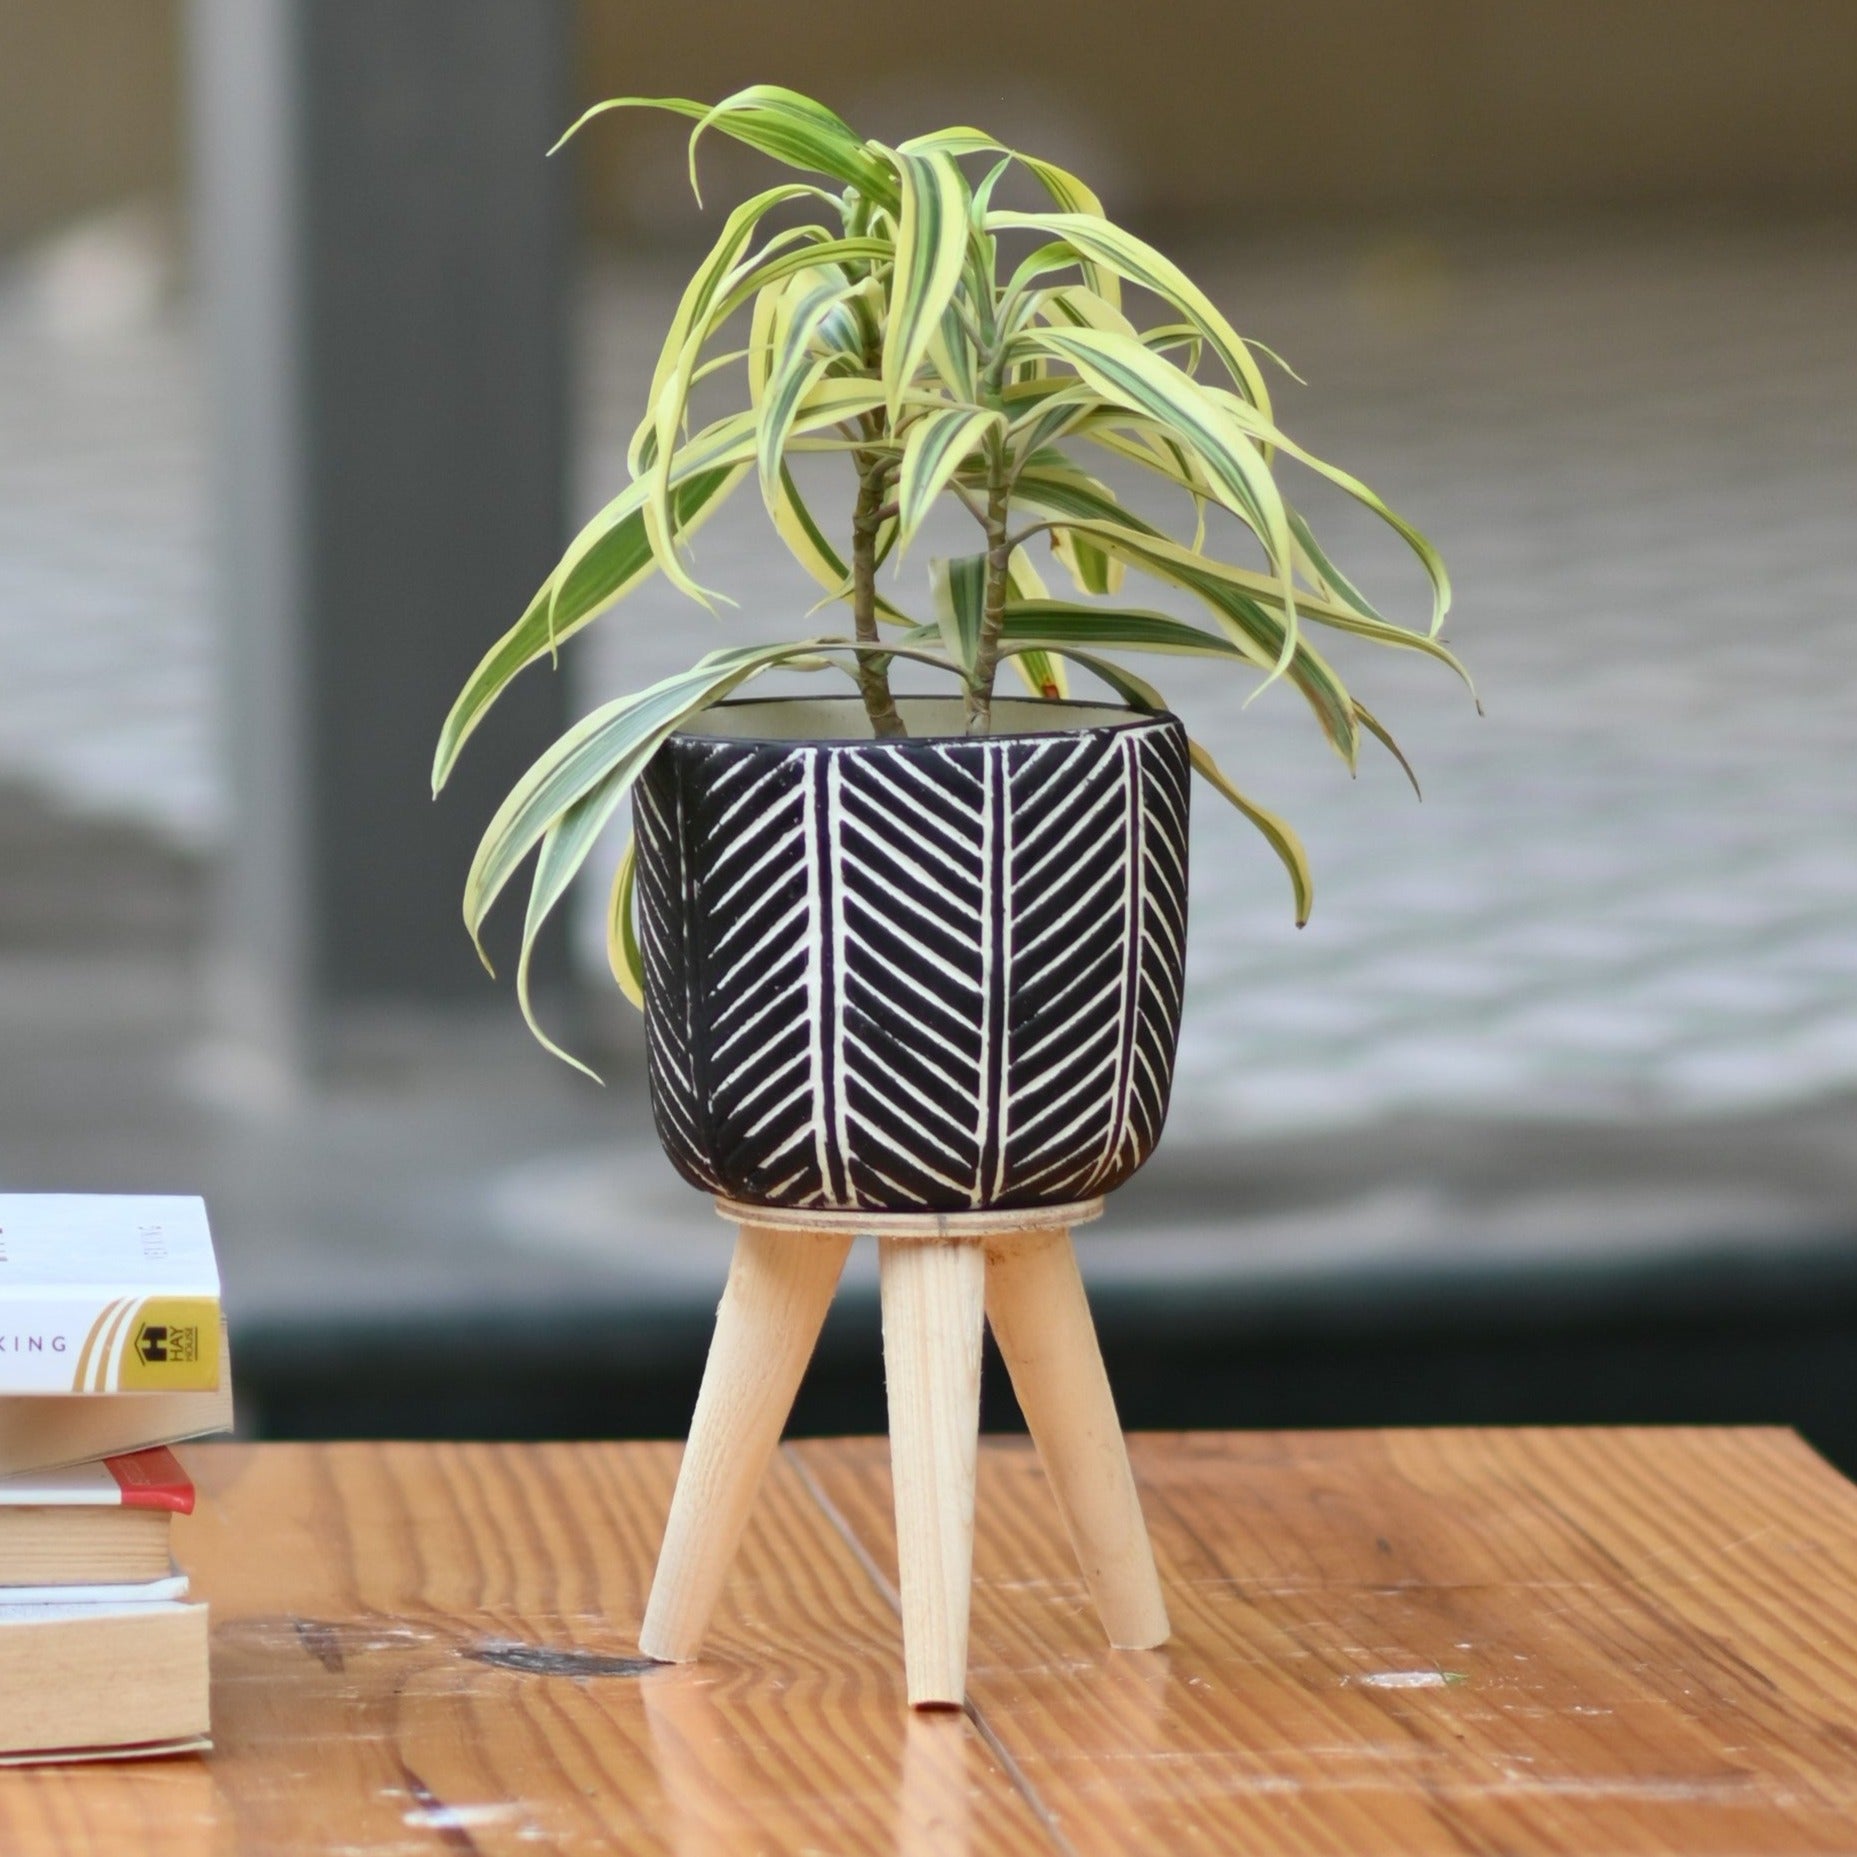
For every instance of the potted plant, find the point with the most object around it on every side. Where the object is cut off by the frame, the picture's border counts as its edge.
(896, 951)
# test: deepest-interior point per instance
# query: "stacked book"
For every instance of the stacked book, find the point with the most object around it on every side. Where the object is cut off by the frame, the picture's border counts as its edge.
(112, 1348)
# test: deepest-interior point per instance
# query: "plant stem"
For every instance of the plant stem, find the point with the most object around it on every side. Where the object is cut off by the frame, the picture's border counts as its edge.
(993, 606)
(873, 671)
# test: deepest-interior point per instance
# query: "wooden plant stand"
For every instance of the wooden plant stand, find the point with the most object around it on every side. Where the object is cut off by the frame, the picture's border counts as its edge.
(941, 1274)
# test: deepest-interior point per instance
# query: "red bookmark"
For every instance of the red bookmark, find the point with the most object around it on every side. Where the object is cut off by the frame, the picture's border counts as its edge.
(152, 1480)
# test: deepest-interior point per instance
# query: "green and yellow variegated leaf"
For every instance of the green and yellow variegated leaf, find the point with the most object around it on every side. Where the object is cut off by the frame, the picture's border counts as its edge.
(807, 543)
(955, 141)
(840, 331)
(1111, 249)
(849, 331)
(1377, 729)
(742, 286)
(1019, 397)
(1068, 193)
(938, 441)
(1072, 197)
(983, 194)
(1250, 598)
(729, 441)
(1176, 335)
(1246, 620)
(1268, 594)
(716, 363)
(711, 280)
(951, 354)
(1024, 368)
(1023, 580)
(1152, 449)
(1056, 623)
(608, 569)
(669, 413)
(805, 540)
(605, 747)
(1092, 569)
(1079, 307)
(1135, 691)
(1280, 835)
(1056, 256)
(779, 409)
(832, 402)
(1419, 543)
(1050, 416)
(959, 600)
(664, 542)
(931, 247)
(1055, 487)
(598, 759)
(1271, 355)
(1123, 371)
(1173, 459)
(1322, 573)
(764, 337)
(776, 122)
(1040, 672)
(797, 369)
(799, 131)
(825, 403)
(695, 314)
(1082, 634)
(856, 256)
(1144, 443)
(565, 846)
(1067, 494)
(1129, 375)
(778, 305)
(1065, 190)
(624, 957)
(959, 590)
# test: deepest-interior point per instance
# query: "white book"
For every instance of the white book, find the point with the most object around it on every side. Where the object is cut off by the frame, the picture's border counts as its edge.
(23, 1601)
(96, 1524)
(66, 1611)
(102, 1682)
(107, 1293)
(39, 1431)
(141, 1480)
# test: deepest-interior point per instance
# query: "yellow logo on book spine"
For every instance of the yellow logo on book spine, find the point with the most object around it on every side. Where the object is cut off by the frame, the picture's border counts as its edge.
(157, 1344)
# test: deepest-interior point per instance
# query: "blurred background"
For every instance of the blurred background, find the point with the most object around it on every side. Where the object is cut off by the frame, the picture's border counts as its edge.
(309, 363)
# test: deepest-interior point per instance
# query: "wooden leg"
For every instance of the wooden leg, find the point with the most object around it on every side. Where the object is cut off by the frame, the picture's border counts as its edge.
(1041, 1320)
(933, 1310)
(780, 1286)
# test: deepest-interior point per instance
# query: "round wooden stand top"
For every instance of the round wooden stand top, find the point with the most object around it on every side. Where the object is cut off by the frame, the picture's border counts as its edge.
(942, 1227)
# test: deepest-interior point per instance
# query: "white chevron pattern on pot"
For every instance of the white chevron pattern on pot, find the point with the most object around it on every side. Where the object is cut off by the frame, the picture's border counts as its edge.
(940, 972)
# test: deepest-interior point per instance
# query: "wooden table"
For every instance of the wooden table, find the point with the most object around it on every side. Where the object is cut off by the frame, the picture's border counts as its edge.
(1384, 1642)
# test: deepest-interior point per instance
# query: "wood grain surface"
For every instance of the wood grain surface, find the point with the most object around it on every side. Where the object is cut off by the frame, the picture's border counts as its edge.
(1568, 1641)
(1574, 1641)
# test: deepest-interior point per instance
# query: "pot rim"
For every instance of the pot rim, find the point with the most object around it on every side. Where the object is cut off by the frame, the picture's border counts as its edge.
(1108, 715)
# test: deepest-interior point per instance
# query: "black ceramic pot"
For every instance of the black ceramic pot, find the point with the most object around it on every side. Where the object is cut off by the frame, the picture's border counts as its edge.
(939, 973)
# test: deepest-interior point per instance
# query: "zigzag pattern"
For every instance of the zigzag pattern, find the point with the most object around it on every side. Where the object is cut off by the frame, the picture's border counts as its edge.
(941, 973)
